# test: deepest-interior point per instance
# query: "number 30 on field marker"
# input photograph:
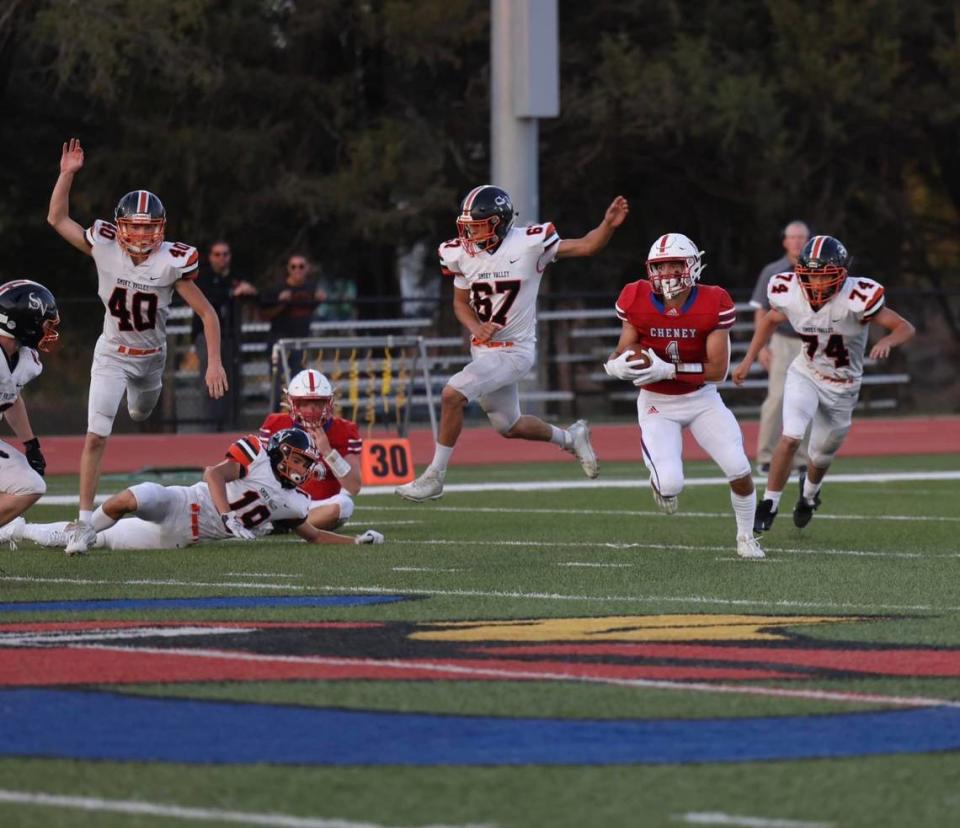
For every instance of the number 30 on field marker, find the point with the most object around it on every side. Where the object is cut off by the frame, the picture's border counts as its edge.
(386, 462)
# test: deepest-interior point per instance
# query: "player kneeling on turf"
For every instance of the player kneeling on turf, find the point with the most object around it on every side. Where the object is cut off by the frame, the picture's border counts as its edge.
(236, 500)
(682, 331)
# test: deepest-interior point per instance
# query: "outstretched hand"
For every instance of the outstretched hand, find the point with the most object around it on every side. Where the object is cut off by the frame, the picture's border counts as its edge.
(71, 157)
(617, 212)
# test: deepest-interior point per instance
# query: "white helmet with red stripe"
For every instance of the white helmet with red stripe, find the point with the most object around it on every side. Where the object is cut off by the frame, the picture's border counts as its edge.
(666, 252)
(311, 398)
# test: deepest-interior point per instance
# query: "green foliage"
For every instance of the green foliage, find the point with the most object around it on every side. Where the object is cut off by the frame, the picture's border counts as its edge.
(347, 129)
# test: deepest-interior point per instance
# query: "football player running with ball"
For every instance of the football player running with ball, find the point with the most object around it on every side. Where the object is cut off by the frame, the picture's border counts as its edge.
(682, 328)
(137, 272)
(496, 270)
(256, 486)
(832, 312)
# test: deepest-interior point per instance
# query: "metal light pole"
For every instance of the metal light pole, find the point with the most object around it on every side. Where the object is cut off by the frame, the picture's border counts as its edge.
(524, 86)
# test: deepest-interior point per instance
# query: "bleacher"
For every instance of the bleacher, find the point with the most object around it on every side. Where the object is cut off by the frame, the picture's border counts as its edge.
(568, 380)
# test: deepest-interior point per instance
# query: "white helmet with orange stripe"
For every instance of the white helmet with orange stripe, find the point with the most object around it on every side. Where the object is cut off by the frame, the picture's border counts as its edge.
(673, 265)
(310, 396)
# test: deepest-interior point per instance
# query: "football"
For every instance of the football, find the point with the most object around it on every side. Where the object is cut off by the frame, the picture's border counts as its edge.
(637, 356)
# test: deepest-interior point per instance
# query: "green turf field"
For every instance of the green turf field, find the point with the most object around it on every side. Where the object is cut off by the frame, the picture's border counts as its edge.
(839, 655)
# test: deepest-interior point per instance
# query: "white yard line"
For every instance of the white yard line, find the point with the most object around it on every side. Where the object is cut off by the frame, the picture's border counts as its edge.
(718, 818)
(667, 547)
(157, 809)
(637, 483)
(597, 565)
(425, 569)
(54, 638)
(510, 674)
(650, 513)
(263, 575)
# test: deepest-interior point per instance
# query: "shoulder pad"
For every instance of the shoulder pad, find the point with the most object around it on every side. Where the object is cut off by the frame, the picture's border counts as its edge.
(101, 233)
(627, 297)
(542, 236)
(183, 257)
(245, 450)
(450, 252)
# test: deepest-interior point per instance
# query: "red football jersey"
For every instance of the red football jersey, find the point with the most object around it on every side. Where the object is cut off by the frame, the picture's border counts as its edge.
(676, 334)
(343, 436)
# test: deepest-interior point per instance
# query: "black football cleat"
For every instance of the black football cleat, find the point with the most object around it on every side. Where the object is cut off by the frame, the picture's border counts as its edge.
(803, 511)
(763, 519)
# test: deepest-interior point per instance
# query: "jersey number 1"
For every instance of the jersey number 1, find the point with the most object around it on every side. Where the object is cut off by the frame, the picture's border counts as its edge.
(142, 313)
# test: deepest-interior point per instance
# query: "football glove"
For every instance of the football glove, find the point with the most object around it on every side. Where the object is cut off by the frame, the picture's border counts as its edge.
(235, 527)
(34, 456)
(658, 371)
(622, 367)
(370, 536)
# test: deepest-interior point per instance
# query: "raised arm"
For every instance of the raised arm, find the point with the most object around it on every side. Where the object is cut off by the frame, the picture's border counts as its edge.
(58, 216)
(597, 238)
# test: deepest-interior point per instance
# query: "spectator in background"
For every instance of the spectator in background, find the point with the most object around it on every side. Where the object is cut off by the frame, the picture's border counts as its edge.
(782, 350)
(289, 309)
(226, 291)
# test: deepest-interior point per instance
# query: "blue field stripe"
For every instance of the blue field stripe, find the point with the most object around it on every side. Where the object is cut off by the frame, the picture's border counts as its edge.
(221, 602)
(111, 726)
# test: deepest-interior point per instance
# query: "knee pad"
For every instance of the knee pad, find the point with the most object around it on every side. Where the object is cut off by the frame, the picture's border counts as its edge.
(100, 424)
(669, 484)
(502, 423)
(345, 502)
(137, 415)
(151, 499)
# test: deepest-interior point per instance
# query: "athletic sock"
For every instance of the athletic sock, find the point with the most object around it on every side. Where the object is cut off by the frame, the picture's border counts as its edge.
(85, 516)
(775, 497)
(561, 437)
(744, 509)
(101, 520)
(45, 534)
(441, 457)
(810, 489)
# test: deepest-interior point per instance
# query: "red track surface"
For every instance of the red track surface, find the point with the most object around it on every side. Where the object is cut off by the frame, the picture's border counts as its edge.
(873, 437)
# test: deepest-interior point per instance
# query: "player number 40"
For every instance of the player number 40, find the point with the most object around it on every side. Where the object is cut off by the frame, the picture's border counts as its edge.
(140, 316)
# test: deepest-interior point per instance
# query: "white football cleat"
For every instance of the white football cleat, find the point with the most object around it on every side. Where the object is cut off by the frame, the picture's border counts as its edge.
(80, 537)
(749, 547)
(370, 536)
(428, 486)
(12, 532)
(582, 449)
(668, 503)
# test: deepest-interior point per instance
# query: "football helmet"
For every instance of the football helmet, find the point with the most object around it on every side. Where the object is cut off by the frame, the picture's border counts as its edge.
(28, 314)
(310, 397)
(293, 456)
(141, 219)
(822, 268)
(486, 215)
(668, 249)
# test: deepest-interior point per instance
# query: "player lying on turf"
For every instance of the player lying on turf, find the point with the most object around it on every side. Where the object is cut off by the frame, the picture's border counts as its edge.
(682, 331)
(832, 313)
(237, 500)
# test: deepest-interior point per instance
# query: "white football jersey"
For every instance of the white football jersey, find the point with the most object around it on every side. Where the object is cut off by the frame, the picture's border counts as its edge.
(16, 372)
(834, 337)
(257, 497)
(137, 297)
(504, 284)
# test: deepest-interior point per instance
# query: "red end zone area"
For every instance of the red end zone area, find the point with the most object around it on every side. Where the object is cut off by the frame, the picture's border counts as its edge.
(482, 446)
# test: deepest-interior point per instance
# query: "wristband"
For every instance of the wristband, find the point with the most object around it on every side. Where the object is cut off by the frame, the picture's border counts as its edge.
(340, 467)
(32, 443)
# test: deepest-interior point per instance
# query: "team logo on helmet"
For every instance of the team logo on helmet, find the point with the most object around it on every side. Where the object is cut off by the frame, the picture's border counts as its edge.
(28, 314)
(486, 216)
(293, 456)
